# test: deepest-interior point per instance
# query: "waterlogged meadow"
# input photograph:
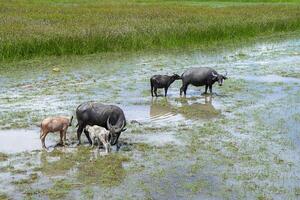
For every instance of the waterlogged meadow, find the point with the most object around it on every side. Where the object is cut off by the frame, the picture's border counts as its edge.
(242, 142)
(32, 28)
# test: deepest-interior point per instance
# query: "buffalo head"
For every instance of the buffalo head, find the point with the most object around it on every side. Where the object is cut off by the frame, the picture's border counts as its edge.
(219, 78)
(114, 131)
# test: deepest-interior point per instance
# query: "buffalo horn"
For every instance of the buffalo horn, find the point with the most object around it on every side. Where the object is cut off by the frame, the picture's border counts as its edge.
(108, 123)
(121, 128)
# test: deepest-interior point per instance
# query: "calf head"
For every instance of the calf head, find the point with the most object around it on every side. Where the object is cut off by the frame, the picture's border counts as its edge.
(115, 131)
(219, 77)
(176, 77)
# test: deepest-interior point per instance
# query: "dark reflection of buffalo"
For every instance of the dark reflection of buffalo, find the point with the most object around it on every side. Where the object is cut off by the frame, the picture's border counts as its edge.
(160, 108)
(196, 110)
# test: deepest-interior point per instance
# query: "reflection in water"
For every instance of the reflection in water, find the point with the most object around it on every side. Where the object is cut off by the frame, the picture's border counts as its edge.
(189, 109)
(271, 78)
(160, 109)
(56, 162)
(19, 140)
(198, 110)
(104, 170)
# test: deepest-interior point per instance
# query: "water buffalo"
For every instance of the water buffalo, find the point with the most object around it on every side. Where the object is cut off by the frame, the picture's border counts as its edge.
(162, 81)
(201, 76)
(108, 116)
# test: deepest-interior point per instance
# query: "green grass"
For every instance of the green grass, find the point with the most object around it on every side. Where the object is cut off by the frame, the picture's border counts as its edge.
(3, 156)
(107, 171)
(59, 190)
(3, 196)
(39, 28)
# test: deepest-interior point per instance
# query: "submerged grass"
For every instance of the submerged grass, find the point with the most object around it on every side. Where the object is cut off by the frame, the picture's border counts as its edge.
(59, 190)
(4, 196)
(107, 171)
(3, 156)
(39, 28)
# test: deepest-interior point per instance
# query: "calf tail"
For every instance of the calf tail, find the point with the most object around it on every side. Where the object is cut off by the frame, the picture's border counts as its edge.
(70, 124)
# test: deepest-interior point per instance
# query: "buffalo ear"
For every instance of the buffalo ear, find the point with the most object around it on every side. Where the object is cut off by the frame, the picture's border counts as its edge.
(224, 77)
(215, 78)
(124, 129)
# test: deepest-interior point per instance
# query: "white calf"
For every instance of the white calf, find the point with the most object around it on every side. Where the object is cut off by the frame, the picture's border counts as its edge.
(101, 134)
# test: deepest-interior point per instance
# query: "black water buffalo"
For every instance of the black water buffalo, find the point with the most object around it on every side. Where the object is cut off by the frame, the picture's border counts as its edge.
(108, 116)
(201, 76)
(162, 81)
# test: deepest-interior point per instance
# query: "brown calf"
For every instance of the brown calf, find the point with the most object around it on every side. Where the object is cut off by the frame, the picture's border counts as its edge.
(55, 124)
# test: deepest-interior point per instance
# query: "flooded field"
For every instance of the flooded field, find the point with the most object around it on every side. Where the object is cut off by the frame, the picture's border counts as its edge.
(241, 142)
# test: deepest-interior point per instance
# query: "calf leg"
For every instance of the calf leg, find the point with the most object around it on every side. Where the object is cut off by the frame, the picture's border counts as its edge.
(151, 89)
(43, 137)
(93, 142)
(61, 137)
(65, 137)
(107, 148)
(166, 91)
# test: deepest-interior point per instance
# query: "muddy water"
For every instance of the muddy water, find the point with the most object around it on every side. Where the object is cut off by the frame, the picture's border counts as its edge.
(241, 142)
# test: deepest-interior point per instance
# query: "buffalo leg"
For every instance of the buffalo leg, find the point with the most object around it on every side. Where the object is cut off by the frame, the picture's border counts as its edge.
(183, 89)
(166, 91)
(155, 91)
(79, 132)
(210, 89)
(206, 87)
(88, 136)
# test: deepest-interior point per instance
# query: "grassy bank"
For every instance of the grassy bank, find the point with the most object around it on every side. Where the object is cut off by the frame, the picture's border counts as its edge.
(34, 28)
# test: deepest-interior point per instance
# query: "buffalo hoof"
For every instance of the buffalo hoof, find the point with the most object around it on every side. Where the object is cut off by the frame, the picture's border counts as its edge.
(118, 147)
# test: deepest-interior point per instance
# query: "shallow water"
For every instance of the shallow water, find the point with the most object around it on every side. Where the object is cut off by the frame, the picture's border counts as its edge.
(241, 142)
(271, 78)
(20, 140)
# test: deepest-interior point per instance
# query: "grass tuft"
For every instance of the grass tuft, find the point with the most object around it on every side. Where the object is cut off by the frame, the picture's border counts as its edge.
(107, 171)
(3, 156)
